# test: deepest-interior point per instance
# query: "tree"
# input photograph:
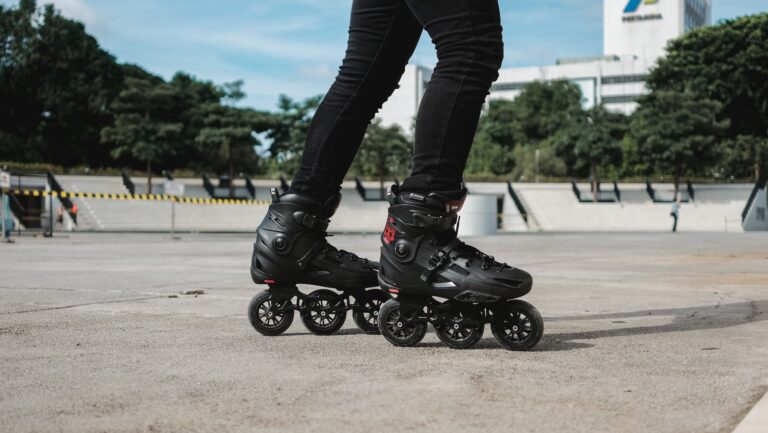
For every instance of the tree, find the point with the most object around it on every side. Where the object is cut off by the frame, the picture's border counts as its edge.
(489, 158)
(593, 140)
(144, 126)
(510, 132)
(544, 108)
(727, 63)
(533, 161)
(232, 130)
(289, 131)
(745, 155)
(495, 140)
(56, 84)
(677, 132)
(385, 151)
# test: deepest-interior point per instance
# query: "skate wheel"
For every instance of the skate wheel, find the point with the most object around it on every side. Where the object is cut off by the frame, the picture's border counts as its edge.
(396, 331)
(366, 312)
(457, 332)
(324, 313)
(270, 315)
(517, 325)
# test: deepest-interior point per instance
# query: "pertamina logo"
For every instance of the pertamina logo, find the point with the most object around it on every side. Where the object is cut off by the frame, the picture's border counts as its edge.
(634, 5)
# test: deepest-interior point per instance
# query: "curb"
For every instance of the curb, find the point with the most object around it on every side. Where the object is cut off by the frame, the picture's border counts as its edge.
(756, 420)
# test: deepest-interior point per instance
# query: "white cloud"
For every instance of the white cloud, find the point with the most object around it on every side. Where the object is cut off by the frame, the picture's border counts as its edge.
(77, 9)
(258, 42)
(317, 71)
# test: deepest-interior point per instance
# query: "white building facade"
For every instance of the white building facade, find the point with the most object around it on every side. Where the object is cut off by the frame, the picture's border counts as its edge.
(635, 35)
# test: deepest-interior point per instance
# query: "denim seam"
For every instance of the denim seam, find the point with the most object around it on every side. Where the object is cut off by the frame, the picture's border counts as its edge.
(456, 96)
(321, 147)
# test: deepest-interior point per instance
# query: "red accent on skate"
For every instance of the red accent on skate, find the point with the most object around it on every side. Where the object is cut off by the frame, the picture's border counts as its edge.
(393, 290)
(389, 231)
(269, 281)
(454, 206)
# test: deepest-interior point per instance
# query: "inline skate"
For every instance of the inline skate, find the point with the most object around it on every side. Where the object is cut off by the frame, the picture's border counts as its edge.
(290, 249)
(422, 260)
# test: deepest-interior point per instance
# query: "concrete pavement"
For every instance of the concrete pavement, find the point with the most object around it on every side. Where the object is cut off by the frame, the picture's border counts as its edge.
(644, 332)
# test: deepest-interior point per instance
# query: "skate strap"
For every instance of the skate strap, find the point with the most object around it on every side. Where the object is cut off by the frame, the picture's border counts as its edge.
(439, 258)
(444, 222)
(304, 260)
(310, 221)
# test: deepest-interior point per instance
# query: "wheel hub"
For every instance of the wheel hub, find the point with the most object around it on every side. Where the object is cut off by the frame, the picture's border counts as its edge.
(399, 324)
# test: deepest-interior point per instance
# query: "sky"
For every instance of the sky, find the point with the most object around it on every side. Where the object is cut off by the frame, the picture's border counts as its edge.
(295, 46)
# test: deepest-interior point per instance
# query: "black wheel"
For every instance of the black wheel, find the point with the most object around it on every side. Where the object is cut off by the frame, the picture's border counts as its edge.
(517, 325)
(270, 315)
(324, 313)
(395, 329)
(366, 311)
(460, 330)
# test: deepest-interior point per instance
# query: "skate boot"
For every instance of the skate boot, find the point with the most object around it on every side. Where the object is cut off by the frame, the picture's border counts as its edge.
(290, 249)
(422, 260)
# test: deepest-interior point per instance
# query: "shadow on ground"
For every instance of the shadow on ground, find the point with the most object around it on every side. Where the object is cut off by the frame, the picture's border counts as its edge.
(715, 316)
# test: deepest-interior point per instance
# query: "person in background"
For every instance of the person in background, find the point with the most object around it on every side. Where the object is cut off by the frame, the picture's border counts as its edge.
(675, 211)
(10, 224)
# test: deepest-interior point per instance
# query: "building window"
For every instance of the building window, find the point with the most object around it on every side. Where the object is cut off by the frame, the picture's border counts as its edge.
(621, 79)
(508, 86)
(620, 99)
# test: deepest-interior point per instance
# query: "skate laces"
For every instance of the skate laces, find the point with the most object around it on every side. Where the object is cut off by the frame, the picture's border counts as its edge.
(486, 260)
(329, 249)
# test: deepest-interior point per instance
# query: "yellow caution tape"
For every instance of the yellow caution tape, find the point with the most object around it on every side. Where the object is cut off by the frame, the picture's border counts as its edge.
(152, 197)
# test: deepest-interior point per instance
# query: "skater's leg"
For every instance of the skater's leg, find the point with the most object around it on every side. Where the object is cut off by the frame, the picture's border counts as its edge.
(382, 37)
(467, 36)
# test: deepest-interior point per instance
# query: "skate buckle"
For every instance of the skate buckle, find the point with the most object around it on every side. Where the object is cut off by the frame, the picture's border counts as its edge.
(437, 260)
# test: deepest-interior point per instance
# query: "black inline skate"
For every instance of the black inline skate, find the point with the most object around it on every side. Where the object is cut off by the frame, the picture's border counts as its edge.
(290, 249)
(422, 259)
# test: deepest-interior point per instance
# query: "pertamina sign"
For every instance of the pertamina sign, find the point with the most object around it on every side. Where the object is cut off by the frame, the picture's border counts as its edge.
(633, 12)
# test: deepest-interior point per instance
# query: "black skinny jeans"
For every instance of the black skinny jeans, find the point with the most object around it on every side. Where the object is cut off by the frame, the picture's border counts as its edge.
(382, 37)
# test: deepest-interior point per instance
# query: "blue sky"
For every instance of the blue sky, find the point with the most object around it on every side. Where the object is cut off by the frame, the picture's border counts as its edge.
(295, 46)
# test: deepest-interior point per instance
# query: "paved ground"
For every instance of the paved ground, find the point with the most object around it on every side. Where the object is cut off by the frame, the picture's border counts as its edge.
(644, 332)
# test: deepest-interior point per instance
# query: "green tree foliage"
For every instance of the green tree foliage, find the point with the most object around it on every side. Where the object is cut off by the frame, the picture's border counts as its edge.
(593, 140)
(676, 132)
(231, 131)
(289, 131)
(745, 155)
(528, 165)
(727, 63)
(488, 157)
(385, 151)
(55, 86)
(146, 126)
(496, 138)
(510, 132)
(544, 108)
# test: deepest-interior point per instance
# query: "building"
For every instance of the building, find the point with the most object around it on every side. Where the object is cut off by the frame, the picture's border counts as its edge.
(400, 109)
(635, 34)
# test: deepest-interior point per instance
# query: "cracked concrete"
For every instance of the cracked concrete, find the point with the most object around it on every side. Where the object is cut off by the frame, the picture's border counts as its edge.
(644, 332)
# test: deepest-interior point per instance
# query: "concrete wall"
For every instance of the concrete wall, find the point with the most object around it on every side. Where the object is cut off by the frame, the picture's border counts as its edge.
(555, 208)
(550, 207)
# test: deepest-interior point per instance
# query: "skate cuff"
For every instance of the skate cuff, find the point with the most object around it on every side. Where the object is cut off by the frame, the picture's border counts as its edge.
(430, 221)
